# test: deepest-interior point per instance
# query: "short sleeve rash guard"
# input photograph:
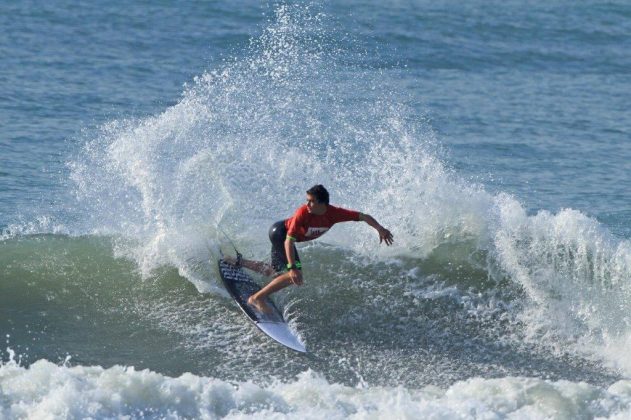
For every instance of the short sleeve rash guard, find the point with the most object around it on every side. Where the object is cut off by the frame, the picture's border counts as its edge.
(304, 226)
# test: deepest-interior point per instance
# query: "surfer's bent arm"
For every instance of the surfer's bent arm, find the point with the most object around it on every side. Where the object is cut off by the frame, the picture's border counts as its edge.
(384, 234)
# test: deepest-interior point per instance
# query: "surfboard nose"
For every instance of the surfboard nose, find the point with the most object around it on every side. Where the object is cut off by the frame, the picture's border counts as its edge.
(281, 332)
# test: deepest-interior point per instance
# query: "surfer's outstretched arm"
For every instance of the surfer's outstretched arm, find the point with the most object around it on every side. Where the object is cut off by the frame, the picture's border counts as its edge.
(384, 234)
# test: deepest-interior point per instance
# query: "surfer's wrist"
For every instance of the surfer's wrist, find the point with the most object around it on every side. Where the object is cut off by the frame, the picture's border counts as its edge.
(294, 266)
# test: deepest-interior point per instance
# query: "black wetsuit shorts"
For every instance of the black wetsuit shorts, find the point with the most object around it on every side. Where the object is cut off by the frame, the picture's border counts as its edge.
(277, 235)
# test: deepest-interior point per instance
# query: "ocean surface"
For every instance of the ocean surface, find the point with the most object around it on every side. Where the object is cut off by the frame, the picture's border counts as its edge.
(493, 138)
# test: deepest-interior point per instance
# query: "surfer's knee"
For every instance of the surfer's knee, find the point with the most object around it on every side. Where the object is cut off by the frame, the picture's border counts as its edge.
(269, 271)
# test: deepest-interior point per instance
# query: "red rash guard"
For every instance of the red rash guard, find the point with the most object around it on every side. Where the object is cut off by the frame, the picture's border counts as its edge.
(304, 226)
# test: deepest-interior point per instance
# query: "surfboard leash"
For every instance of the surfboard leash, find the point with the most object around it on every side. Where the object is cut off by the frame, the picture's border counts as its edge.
(239, 255)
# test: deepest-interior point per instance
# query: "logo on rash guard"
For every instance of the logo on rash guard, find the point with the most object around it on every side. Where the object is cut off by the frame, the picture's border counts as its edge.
(316, 231)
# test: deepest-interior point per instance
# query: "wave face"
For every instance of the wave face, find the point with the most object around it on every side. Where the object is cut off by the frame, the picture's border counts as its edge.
(476, 294)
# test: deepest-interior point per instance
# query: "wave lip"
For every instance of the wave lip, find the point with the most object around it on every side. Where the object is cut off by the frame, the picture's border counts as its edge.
(576, 275)
(47, 390)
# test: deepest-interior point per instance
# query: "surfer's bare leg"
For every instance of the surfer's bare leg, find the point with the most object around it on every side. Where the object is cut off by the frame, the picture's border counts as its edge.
(258, 266)
(275, 285)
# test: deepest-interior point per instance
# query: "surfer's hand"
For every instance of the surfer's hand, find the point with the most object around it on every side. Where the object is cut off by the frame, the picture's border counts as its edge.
(296, 277)
(385, 236)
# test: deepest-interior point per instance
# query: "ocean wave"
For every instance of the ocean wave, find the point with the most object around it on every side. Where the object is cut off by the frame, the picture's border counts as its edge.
(246, 139)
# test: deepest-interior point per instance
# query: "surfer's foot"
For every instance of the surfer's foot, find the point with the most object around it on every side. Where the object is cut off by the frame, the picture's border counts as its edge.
(259, 305)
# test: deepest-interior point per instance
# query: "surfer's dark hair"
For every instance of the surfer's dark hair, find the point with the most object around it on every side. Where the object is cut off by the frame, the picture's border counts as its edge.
(320, 193)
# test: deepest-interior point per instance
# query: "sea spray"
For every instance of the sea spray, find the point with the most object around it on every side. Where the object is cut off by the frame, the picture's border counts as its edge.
(245, 141)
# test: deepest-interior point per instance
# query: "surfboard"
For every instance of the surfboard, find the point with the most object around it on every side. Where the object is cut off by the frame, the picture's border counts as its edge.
(241, 286)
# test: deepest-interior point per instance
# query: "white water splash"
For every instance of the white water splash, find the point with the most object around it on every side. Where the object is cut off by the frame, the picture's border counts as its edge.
(46, 391)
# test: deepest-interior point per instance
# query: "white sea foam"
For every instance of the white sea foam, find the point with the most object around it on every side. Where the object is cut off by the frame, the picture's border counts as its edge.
(46, 391)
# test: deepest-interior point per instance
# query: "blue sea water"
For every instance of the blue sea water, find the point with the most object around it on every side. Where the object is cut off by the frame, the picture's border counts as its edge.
(492, 138)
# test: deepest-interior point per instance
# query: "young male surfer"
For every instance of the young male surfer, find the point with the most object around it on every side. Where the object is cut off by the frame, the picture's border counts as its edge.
(309, 222)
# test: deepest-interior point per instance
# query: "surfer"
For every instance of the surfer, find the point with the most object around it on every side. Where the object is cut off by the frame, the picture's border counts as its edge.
(309, 222)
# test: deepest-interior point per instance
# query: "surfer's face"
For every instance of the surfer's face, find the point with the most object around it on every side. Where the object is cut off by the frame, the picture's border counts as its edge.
(313, 206)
